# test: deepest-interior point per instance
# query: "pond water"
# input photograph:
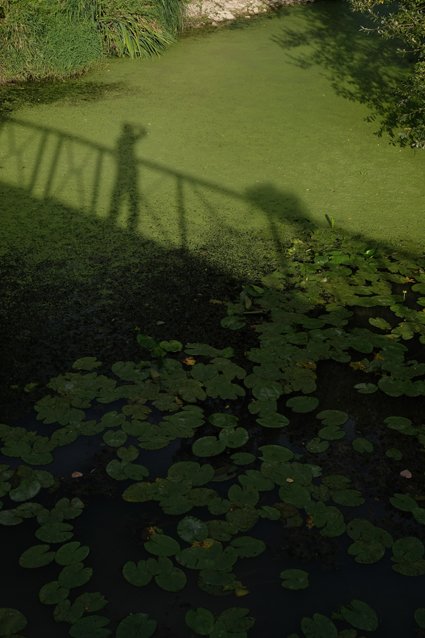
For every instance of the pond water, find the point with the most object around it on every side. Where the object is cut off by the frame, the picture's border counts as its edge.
(142, 195)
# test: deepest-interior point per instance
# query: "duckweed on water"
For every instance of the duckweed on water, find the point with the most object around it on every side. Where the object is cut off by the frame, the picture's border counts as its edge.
(283, 438)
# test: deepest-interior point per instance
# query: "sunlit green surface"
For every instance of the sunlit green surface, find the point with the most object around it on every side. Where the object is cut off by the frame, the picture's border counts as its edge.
(229, 132)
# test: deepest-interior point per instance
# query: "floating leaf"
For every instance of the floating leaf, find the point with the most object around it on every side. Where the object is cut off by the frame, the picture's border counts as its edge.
(37, 556)
(233, 438)
(303, 404)
(90, 627)
(136, 626)
(332, 417)
(208, 446)
(318, 626)
(200, 620)
(55, 532)
(294, 579)
(420, 617)
(11, 621)
(71, 553)
(363, 446)
(360, 615)
(52, 593)
(192, 529)
(74, 575)
(248, 547)
(162, 545)
(366, 388)
(141, 573)
(26, 490)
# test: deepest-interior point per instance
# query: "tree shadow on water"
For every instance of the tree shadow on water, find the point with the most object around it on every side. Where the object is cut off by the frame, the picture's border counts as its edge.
(360, 65)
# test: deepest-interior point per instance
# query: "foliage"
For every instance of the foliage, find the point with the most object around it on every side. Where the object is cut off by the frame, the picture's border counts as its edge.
(403, 21)
(39, 41)
(205, 512)
(42, 39)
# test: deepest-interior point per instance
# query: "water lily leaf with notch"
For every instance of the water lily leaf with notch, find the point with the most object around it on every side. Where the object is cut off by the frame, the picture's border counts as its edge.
(36, 556)
(169, 577)
(67, 508)
(243, 458)
(275, 453)
(394, 453)
(26, 490)
(378, 322)
(350, 498)
(331, 433)
(192, 529)
(363, 446)
(223, 420)
(420, 617)
(233, 438)
(303, 404)
(66, 611)
(366, 388)
(221, 530)
(248, 546)
(57, 410)
(400, 424)
(141, 573)
(243, 495)
(408, 556)
(294, 579)
(162, 545)
(220, 387)
(90, 627)
(295, 494)
(327, 518)
(74, 575)
(242, 518)
(317, 446)
(217, 583)
(205, 350)
(366, 552)
(198, 474)
(332, 417)
(208, 446)
(11, 621)
(234, 621)
(403, 502)
(136, 626)
(70, 553)
(318, 626)
(54, 532)
(115, 438)
(200, 620)
(360, 615)
(266, 390)
(86, 363)
(273, 420)
(52, 593)
(256, 480)
(10, 518)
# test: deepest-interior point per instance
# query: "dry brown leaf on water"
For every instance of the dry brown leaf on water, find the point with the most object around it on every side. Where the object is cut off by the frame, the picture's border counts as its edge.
(189, 361)
(77, 475)
(406, 474)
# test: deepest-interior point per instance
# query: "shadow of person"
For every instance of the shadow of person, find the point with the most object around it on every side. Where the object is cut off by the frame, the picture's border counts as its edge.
(285, 214)
(126, 183)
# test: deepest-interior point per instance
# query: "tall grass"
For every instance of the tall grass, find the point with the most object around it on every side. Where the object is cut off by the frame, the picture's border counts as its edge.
(135, 28)
(60, 38)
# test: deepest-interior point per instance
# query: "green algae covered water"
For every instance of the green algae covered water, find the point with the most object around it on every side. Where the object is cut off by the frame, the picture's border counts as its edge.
(136, 189)
(244, 129)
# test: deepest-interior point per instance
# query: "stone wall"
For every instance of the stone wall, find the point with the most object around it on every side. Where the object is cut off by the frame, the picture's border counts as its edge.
(203, 12)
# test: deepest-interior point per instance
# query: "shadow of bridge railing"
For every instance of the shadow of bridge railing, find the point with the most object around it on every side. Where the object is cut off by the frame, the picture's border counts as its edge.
(113, 183)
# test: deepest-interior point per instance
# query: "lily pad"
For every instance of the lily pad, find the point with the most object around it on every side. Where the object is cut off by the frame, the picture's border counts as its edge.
(303, 404)
(52, 593)
(162, 545)
(55, 532)
(294, 579)
(37, 556)
(200, 620)
(420, 617)
(192, 529)
(90, 627)
(318, 626)
(208, 446)
(248, 547)
(74, 575)
(363, 446)
(11, 621)
(136, 626)
(71, 553)
(360, 615)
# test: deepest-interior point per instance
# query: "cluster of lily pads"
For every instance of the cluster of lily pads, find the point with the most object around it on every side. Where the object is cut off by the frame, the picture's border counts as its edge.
(255, 441)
